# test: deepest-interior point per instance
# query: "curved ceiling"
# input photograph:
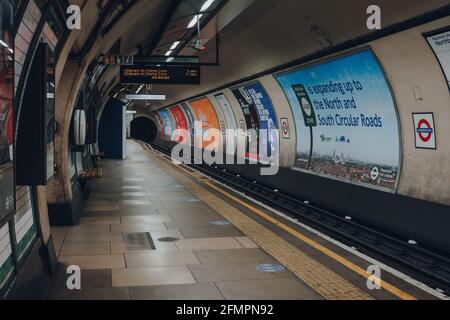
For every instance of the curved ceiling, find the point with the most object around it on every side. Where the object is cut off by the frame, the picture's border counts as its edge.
(255, 35)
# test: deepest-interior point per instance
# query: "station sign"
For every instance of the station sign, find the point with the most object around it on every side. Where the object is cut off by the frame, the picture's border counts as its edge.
(176, 75)
(309, 114)
(439, 42)
(285, 130)
(112, 59)
(424, 129)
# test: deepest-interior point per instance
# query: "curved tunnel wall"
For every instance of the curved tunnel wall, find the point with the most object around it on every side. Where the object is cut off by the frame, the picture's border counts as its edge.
(144, 129)
(407, 201)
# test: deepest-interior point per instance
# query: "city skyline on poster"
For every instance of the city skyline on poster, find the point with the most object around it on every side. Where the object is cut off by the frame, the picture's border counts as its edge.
(357, 134)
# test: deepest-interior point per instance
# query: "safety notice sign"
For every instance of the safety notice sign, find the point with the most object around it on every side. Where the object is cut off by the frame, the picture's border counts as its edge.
(425, 131)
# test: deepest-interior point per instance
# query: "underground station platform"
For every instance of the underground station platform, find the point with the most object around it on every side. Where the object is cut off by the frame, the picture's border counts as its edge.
(224, 158)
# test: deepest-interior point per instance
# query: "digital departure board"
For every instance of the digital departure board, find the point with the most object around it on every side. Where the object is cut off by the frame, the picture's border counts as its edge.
(160, 74)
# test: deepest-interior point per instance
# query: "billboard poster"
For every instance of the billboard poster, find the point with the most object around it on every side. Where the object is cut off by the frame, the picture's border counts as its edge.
(168, 126)
(180, 122)
(259, 114)
(227, 110)
(206, 114)
(161, 124)
(251, 121)
(50, 116)
(190, 118)
(346, 121)
(6, 108)
(440, 44)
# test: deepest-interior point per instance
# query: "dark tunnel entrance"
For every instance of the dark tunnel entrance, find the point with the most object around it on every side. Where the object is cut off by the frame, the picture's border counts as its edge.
(143, 129)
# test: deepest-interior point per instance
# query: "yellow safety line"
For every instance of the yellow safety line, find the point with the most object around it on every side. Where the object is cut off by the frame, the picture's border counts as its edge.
(387, 286)
(355, 268)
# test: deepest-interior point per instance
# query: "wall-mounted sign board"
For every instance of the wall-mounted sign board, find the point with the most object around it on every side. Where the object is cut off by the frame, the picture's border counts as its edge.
(439, 41)
(285, 129)
(424, 129)
(160, 75)
(111, 59)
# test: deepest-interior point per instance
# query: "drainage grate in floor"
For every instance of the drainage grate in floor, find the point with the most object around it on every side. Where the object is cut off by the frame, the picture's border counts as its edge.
(139, 241)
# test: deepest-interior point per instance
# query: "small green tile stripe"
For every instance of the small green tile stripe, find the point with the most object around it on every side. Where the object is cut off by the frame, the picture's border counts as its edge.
(26, 241)
(5, 271)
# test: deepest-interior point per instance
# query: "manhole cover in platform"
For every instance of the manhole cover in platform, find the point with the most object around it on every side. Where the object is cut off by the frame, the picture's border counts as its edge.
(273, 268)
(139, 241)
(168, 239)
(219, 223)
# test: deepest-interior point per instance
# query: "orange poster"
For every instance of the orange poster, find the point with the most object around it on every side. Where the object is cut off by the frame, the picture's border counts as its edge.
(205, 113)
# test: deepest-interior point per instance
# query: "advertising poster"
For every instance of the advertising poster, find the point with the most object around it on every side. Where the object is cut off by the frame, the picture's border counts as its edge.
(346, 120)
(161, 124)
(6, 108)
(259, 114)
(180, 122)
(205, 113)
(227, 110)
(229, 114)
(50, 117)
(190, 118)
(440, 43)
(168, 126)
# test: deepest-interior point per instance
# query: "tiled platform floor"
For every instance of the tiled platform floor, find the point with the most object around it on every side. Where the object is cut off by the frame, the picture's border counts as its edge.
(206, 262)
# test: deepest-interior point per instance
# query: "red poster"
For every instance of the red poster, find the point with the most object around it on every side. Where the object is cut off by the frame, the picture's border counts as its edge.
(180, 122)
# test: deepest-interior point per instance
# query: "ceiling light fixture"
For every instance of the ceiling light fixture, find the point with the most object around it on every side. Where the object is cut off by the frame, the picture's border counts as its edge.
(194, 21)
(197, 17)
(4, 44)
(140, 89)
(149, 97)
(168, 53)
(175, 45)
(206, 5)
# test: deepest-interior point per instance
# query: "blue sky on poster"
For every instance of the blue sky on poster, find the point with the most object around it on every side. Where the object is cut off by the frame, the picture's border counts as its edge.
(167, 122)
(369, 99)
(267, 117)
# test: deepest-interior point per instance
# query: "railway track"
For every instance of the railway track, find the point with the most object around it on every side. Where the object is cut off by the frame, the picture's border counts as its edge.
(423, 264)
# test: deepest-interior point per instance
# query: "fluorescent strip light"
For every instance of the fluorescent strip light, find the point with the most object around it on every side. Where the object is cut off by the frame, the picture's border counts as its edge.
(4, 44)
(11, 50)
(206, 5)
(151, 97)
(175, 45)
(194, 21)
(131, 112)
(140, 89)
(168, 53)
